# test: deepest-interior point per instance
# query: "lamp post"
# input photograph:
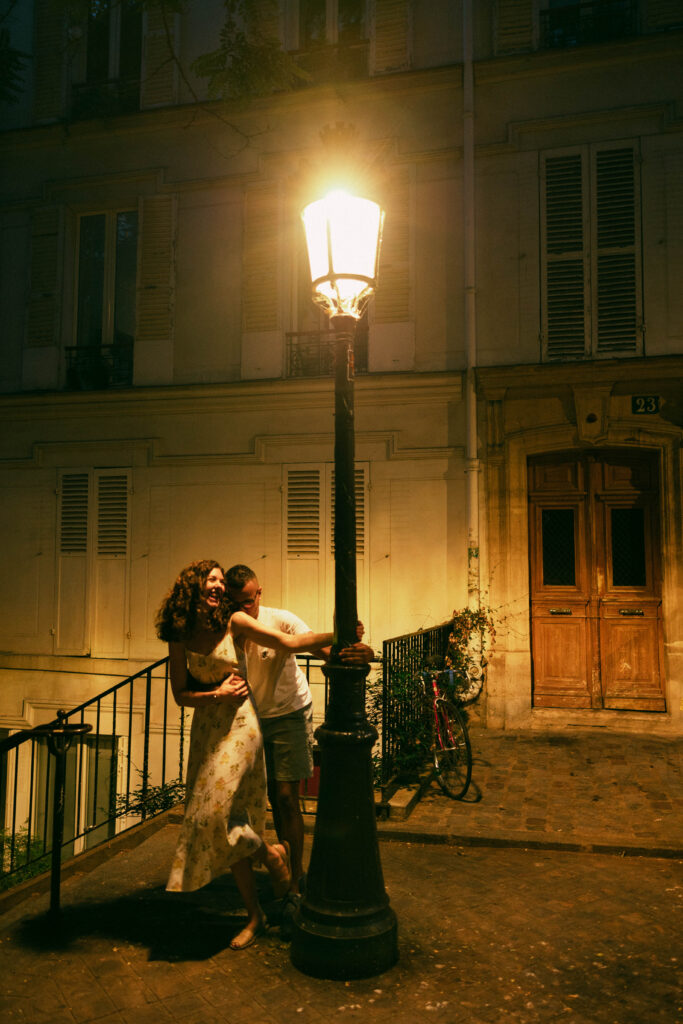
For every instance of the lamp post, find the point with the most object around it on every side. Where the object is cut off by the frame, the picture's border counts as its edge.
(344, 926)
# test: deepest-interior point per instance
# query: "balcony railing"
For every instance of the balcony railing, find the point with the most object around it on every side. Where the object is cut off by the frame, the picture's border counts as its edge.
(105, 99)
(311, 353)
(95, 367)
(585, 23)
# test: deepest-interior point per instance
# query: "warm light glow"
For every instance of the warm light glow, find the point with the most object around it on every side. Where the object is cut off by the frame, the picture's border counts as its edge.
(343, 235)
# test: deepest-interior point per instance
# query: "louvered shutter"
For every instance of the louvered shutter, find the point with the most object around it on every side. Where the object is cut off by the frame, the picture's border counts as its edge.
(156, 291)
(393, 300)
(49, 63)
(673, 258)
(514, 26)
(564, 258)
(616, 308)
(661, 14)
(260, 291)
(159, 76)
(72, 567)
(267, 18)
(303, 513)
(110, 577)
(390, 36)
(42, 327)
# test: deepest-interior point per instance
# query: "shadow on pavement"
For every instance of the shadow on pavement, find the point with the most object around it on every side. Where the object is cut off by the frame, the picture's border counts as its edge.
(172, 926)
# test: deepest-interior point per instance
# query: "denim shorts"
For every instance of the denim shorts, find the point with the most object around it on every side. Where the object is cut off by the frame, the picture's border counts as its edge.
(288, 745)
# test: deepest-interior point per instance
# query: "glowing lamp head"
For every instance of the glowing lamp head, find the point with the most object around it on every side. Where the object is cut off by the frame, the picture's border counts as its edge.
(343, 235)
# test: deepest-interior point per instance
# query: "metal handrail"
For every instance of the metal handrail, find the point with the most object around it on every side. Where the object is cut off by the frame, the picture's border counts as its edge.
(134, 729)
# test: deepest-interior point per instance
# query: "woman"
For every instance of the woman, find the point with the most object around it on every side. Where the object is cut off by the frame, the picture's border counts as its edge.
(225, 806)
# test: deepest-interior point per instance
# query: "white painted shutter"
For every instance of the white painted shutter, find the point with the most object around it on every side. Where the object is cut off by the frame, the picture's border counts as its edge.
(393, 299)
(160, 43)
(514, 26)
(156, 272)
(42, 327)
(72, 564)
(390, 36)
(260, 281)
(617, 316)
(564, 262)
(110, 589)
(304, 569)
(49, 61)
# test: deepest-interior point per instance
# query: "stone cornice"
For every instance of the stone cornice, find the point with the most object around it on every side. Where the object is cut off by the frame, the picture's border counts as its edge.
(544, 379)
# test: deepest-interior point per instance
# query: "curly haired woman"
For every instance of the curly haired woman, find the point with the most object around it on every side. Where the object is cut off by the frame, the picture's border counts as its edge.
(225, 806)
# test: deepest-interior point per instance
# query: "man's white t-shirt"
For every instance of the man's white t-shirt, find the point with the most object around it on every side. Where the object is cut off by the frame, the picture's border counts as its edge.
(277, 682)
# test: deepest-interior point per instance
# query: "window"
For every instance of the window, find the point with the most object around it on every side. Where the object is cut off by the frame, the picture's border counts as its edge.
(591, 276)
(111, 54)
(105, 307)
(330, 36)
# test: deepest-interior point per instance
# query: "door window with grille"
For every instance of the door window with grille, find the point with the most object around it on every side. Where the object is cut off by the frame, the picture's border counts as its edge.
(591, 275)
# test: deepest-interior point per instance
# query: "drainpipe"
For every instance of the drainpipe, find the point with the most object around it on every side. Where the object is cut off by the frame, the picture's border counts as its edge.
(472, 466)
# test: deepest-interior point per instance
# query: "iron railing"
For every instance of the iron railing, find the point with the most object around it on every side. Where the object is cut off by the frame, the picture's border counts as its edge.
(402, 659)
(311, 353)
(581, 24)
(95, 367)
(130, 766)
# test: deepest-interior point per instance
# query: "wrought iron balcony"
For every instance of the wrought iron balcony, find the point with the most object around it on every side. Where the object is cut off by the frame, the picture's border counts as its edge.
(94, 367)
(584, 23)
(105, 99)
(311, 353)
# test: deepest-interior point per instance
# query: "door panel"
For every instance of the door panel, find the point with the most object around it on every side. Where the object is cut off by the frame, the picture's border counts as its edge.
(595, 582)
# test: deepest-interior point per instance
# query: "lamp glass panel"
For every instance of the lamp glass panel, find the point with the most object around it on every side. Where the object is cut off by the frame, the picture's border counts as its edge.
(345, 228)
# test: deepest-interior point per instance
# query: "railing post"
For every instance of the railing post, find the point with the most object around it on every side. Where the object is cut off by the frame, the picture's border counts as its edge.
(145, 755)
(59, 736)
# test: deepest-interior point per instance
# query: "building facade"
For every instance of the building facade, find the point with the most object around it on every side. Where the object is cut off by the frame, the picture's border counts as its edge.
(519, 405)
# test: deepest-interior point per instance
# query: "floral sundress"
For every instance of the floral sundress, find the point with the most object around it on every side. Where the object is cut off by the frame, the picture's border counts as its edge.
(225, 804)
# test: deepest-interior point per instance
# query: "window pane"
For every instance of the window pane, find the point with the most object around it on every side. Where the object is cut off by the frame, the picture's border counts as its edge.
(350, 20)
(98, 42)
(557, 525)
(90, 280)
(124, 287)
(312, 23)
(628, 547)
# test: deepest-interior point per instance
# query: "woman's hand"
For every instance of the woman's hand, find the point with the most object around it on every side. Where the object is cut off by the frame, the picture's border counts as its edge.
(234, 689)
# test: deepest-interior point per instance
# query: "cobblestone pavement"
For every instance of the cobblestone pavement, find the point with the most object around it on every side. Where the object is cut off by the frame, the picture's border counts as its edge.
(486, 936)
(503, 915)
(577, 789)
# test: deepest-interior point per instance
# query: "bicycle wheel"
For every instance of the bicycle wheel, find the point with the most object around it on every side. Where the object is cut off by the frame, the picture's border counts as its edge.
(452, 750)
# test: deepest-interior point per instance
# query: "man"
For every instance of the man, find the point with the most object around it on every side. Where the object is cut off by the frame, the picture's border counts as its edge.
(284, 703)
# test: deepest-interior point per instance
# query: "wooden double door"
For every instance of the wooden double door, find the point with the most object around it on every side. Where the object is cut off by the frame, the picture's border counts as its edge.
(595, 581)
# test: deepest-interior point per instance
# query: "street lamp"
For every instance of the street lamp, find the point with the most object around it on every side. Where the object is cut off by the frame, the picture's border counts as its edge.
(344, 926)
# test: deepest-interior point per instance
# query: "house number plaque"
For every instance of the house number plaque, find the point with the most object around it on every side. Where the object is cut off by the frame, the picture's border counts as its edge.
(644, 405)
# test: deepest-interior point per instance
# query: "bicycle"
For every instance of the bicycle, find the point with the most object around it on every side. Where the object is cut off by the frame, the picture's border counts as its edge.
(452, 750)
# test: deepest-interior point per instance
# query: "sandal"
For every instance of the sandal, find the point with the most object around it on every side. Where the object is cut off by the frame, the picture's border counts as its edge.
(251, 936)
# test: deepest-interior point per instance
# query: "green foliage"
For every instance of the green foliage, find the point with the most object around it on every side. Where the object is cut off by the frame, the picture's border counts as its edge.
(471, 634)
(29, 859)
(152, 800)
(12, 67)
(248, 61)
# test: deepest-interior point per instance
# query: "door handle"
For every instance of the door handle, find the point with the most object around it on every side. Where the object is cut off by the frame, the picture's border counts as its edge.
(631, 611)
(560, 611)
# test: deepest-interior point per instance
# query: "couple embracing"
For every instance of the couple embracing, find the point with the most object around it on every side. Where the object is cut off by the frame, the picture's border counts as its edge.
(233, 661)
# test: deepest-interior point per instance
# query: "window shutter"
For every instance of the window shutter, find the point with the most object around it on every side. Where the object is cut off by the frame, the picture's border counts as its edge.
(617, 309)
(73, 517)
(157, 267)
(360, 489)
(303, 513)
(112, 514)
(564, 327)
(260, 292)
(514, 26)
(267, 18)
(43, 306)
(49, 65)
(393, 301)
(390, 48)
(161, 35)
(661, 14)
